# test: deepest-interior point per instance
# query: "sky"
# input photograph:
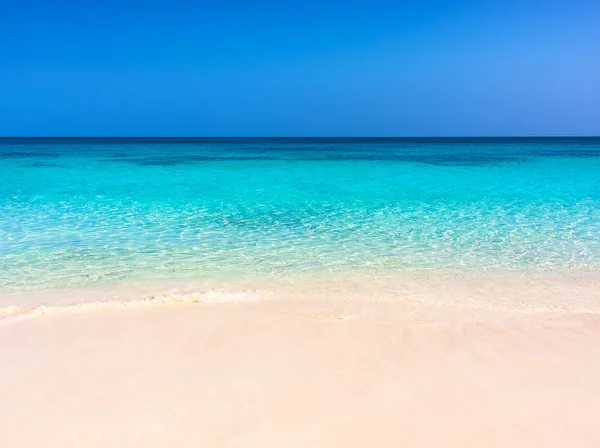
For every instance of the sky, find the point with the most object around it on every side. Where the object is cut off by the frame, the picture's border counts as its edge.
(311, 68)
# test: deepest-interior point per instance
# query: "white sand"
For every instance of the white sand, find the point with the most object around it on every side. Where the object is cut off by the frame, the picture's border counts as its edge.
(294, 375)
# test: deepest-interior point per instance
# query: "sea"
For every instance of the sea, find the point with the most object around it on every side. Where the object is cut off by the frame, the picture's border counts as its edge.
(124, 220)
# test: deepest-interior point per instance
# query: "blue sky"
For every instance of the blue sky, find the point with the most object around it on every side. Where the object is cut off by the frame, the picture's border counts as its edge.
(313, 68)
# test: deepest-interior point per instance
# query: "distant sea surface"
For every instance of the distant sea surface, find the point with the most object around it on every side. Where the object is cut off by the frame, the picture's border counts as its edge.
(91, 212)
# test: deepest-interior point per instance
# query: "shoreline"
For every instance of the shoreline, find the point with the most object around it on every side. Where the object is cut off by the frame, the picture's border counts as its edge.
(527, 292)
(300, 373)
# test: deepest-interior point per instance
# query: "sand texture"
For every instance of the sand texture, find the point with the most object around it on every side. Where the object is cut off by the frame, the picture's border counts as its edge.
(300, 375)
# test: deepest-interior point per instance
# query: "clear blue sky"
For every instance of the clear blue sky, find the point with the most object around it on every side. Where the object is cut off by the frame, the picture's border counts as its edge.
(341, 68)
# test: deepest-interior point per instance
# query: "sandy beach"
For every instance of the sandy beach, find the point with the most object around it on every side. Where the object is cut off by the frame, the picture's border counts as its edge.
(313, 224)
(297, 374)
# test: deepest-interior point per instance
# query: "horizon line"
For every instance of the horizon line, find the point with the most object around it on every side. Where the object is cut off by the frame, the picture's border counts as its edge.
(295, 137)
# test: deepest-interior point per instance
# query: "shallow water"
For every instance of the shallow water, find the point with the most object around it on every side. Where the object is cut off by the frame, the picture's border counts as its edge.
(82, 213)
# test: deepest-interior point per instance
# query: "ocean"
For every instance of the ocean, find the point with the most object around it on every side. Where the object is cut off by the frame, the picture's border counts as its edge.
(223, 217)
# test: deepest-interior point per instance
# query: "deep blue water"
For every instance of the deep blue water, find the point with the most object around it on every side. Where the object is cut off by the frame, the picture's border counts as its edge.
(77, 212)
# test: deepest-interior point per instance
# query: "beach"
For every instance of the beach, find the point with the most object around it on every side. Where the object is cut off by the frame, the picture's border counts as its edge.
(299, 224)
(300, 373)
(294, 292)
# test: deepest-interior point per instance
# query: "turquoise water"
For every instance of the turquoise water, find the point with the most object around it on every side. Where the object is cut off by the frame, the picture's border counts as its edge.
(79, 212)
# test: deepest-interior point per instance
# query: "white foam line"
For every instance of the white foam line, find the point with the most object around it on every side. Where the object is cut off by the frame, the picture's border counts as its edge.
(15, 313)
